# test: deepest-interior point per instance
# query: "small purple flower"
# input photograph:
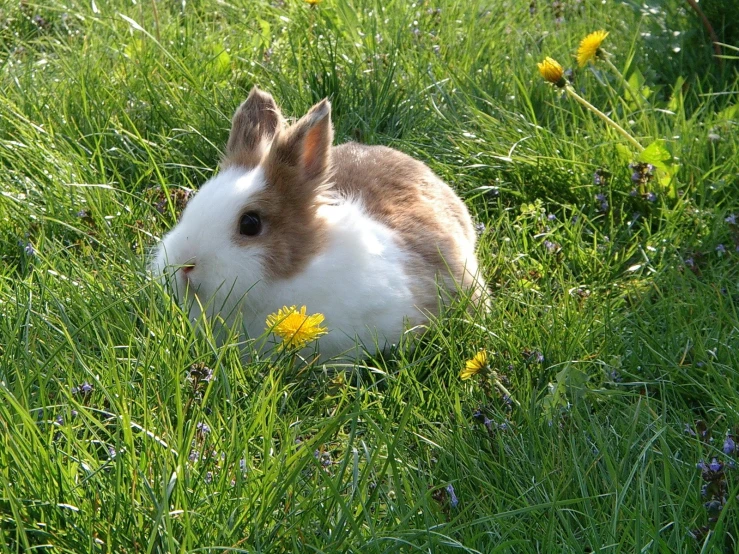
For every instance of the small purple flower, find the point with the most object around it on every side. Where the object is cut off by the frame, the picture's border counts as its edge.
(112, 452)
(59, 420)
(480, 228)
(634, 193)
(730, 219)
(27, 248)
(690, 262)
(209, 477)
(636, 177)
(453, 500)
(721, 249)
(503, 426)
(242, 465)
(550, 245)
(74, 413)
(552, 217)
(84, 390)
(702, 466)
(651, 197)
(82, 214)
(600, 197)
(194, 456)
(488, 423)
(199, 376)
(713, 506)
(729, 445)
(539, 357)
(650, 169)
(715, 465)
(202, 430)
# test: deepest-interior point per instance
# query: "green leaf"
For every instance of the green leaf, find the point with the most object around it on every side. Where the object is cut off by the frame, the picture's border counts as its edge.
(221, 60)
(624, 152)
(636, 83)
(728, 114)
(266, 31)
(570, 382)
(676, 97)
(668, 181)
(656, 154)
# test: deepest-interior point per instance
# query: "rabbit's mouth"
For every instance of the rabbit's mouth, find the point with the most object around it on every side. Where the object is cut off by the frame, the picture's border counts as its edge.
(185, 284)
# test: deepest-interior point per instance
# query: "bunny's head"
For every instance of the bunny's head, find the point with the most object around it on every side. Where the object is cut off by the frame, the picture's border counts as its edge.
(256, 221)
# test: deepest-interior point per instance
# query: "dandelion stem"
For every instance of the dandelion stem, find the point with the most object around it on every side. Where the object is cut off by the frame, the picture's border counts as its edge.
(636, 95)
(604, 117)
(505, 391)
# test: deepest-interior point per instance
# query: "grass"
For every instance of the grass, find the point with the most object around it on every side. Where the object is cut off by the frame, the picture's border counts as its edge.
(617, 334)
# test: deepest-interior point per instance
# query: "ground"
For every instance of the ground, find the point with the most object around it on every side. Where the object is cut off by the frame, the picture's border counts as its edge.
(610, 384)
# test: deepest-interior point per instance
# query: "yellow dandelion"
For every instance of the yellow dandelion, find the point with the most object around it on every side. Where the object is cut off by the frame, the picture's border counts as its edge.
(590, 47)
(474, 366)
(312, 2)
(295, 327)
(552, 71)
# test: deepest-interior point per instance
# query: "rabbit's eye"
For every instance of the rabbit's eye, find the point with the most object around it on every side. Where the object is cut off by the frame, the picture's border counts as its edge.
(250, 224)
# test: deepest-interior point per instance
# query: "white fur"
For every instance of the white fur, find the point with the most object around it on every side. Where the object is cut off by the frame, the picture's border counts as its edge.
(357, 281)
(203, 237)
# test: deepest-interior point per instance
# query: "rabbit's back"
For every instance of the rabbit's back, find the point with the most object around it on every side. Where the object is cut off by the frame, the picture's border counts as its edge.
(431, 222)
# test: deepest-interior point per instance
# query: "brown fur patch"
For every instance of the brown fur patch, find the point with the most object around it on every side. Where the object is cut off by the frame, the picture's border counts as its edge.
(253, 126)
(291, 233)
(296, 170)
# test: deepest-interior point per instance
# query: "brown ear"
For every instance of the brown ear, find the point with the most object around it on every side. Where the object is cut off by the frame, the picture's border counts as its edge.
(303, 151)
(252, 128)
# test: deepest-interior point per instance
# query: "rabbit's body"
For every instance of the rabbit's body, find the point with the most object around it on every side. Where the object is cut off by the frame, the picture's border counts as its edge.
(364, 235)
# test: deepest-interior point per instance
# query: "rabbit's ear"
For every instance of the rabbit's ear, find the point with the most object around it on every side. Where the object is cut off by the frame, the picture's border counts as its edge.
(253, 126)
(301, 154)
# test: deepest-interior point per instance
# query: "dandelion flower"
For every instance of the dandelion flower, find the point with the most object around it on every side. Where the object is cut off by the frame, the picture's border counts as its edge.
(313, 2)
(590, 47)
(474, 366)
(552, 71)
(295, 327)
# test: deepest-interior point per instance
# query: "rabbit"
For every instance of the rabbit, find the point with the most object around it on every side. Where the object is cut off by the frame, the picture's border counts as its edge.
(365, 235)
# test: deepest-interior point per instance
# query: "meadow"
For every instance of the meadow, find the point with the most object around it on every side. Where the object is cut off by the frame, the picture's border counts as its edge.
(607, 418)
